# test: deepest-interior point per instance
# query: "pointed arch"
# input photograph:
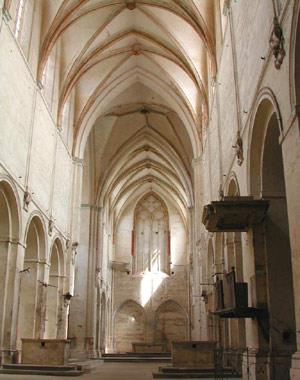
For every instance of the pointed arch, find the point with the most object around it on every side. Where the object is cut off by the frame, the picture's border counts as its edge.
(30, 321)
(129, 325)
(54, 327)
(171, 323)
(10, 227)
(151, 235)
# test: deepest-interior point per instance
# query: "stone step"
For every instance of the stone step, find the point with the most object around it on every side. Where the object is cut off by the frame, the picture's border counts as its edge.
(193, 375)
(16, 371)
(44, 370)
(139, 354)
(190, 369)
(41, 367)
(137, 359)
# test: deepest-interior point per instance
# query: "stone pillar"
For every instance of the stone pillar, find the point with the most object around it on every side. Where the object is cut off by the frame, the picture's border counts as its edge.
(63, 310)
(291, 159)
(77, 269)
(92, 281)
(196, 301)
(9, 299)
(41, 300)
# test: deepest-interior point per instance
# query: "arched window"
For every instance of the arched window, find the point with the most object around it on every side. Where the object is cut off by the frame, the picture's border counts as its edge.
(151, 236)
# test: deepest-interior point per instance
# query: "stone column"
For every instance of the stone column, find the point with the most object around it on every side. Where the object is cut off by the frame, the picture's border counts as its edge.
(8, 337)
(290, 142)
(63, 309)
(41, 299)
(77, 269)
(196, 301)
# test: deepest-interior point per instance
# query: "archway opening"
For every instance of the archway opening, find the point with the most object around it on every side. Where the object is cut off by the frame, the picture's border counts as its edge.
(9, 237)
(272, 252)
(32, 283)
(279, 268)
(54, 293)
(130, 326)
(171, 324)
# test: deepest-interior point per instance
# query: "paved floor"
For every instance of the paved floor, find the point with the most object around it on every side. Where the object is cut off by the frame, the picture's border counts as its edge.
(103, 371)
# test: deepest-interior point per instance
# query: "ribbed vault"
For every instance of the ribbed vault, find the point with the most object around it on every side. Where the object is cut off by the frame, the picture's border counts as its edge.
(136, 73)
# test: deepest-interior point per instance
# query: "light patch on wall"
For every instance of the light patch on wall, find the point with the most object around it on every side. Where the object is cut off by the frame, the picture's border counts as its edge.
(150, 283)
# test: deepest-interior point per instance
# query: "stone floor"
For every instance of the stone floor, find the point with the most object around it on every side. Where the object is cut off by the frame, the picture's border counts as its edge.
(103, 371)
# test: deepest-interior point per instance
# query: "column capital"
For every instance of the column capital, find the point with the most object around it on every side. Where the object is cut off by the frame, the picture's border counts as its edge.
(77, 160)
(197, 161)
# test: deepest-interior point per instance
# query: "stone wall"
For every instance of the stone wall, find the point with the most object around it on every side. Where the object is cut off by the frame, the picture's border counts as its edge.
(162, 297)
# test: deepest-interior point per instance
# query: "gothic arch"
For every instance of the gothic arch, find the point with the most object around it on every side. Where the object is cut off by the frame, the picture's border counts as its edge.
(265, 107)
(36, 222)
(171, 323)
(232, 188)
(12, 201)
(294, 56)
(151, 235)
(272, 252)
(32, 281)
(55, 288)
(9, 239)
(129, 326)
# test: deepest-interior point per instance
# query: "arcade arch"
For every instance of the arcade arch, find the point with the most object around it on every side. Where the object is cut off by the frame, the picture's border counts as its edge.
(32, 282)
(272, 253)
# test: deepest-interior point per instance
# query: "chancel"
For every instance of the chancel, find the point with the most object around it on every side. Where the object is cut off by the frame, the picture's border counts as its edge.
(149, 189)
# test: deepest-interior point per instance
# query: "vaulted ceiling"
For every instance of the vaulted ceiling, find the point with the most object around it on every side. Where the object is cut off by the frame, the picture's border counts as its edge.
(139, 72)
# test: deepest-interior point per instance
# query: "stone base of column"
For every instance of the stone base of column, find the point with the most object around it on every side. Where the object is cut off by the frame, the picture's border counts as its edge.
(79, 354)
(78, 348)
(83, 348)
(295, 370)
(94, 354)
(10, 357)
(255, 364)
(263, 365)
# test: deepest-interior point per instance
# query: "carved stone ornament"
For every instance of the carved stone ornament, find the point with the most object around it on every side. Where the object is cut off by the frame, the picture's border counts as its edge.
(277, 43)
(99, 280)
(27, 199)
(50, 226)
(68, 244)
(74, 251)
(67, 298)
(130, 4)
(239, 149)
(221, 193)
